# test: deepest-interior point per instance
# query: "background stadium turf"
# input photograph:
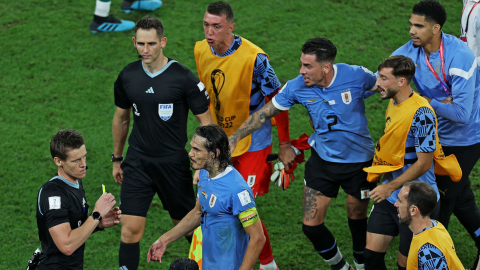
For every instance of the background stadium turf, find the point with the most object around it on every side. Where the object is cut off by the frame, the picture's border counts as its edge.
(55, 74)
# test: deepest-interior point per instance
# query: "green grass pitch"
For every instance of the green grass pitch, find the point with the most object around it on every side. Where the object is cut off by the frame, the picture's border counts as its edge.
(55, 74)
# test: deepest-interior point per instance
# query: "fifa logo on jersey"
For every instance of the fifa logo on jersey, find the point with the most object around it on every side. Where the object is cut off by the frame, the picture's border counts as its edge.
(346, 96)
(165, 111)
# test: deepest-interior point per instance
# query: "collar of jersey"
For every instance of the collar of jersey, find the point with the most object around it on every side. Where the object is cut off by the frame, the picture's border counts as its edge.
(153, 75)
(434, 224)
(227, 170)
(334, 75)
(77, 186)
(237, 41)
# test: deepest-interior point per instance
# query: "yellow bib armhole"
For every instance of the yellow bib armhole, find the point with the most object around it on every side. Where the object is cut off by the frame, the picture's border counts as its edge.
(249, 217)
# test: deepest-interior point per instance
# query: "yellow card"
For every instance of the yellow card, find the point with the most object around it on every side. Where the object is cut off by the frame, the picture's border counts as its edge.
(103, 187)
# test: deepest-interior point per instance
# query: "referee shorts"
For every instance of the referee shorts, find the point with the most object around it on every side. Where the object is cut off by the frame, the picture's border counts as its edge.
(383, 220)
(255, 170)
(327, 177)
(170, 178)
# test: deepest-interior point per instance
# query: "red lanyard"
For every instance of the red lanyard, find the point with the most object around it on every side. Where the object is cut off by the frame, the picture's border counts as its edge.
(464, 33)
(442, 61)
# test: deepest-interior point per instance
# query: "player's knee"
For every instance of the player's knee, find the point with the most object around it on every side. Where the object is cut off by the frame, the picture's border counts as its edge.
(132, 233)
(374, 260)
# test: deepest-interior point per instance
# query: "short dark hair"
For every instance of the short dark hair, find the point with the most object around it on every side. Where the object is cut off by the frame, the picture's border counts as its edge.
(148, 23)
(422, 195)
(184, 264)
(216, 138)
(324, 49)
(63, 141)
(219, 8)
(433, 11)
(402, 66)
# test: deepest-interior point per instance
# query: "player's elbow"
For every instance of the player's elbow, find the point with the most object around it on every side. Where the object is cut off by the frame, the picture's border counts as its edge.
(258, 239)
(67, 250)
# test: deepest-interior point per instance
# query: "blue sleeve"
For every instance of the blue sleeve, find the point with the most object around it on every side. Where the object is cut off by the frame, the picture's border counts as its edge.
(369, 81)
(424, 129)
(431, 258)
(242, 200)
(264, 75)
(464, 76)
(285, 97)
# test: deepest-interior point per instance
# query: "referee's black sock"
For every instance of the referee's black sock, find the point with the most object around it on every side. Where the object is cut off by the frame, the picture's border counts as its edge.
(325, 245)
(358, 228)
(129, 255)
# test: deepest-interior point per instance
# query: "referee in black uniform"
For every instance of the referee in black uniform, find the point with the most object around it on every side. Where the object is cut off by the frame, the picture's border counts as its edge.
(62, 209)
(160, 91)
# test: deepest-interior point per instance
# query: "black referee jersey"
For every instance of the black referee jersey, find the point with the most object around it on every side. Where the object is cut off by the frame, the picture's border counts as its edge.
(160, 104)
(60, 201)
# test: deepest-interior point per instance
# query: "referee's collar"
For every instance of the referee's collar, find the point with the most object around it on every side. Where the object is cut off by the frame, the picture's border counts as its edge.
(153, 75)
(77, 186)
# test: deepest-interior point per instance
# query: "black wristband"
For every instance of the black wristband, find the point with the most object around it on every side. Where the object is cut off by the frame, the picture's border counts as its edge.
(115, 159)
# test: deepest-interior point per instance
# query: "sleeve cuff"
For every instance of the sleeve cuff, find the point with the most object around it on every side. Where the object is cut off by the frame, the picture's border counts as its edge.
(278, 106)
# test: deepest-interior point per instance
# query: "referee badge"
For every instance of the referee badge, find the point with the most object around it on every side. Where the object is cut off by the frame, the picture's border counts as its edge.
(165, 111)
(212, 201)
(346, 96)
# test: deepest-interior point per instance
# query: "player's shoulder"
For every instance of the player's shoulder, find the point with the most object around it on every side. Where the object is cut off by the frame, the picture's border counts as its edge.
(353, 69)
(295, 83)
(463, 54)
(406, 49)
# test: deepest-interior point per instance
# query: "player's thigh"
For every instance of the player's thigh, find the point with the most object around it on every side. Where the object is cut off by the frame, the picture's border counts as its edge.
(315, 205)
(173, 184)
(382, 226)
(255, 170)
(137, 189)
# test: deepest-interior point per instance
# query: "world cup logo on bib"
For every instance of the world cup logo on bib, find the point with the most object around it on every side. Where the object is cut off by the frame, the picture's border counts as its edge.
(218, 80)
(165, 111)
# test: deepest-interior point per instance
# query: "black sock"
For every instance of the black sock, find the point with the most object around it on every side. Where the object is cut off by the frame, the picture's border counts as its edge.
(374, 260)
(322, 240)
(358, 228)
(129, 255)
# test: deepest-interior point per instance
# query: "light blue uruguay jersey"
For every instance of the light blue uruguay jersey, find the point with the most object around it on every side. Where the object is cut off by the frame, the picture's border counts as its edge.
(458, 124)
(222, 198)
(337, 112)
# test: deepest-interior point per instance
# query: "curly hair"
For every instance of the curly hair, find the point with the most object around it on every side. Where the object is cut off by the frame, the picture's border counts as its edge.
(433, 11)
(147, 23)
(63, 141)
(219, 8)
(324, 49)
(216, 138)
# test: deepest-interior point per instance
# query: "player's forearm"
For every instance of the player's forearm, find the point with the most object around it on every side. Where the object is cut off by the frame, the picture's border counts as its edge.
(254, 122)
(68, 240)
(120, 127)
(255, 246)
(414, 172)
(186, 225)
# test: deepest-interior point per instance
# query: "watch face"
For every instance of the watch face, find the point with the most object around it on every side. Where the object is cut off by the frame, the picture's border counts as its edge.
(96, 215)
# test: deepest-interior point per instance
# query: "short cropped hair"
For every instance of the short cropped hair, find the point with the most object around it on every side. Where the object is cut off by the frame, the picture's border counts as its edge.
(184, 264)
(422, 195)
(63, 141)
(324, 49)
(219, 8)
(216, 138)
(402, 66)
(147, 23)
(433, 11)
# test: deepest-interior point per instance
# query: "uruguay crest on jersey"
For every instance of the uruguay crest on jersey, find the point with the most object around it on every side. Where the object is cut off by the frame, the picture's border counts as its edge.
(346, 96)
(165, 111)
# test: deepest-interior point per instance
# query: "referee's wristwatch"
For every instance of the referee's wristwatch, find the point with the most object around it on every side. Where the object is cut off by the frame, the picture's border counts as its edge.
(96, 215)
(115, 159)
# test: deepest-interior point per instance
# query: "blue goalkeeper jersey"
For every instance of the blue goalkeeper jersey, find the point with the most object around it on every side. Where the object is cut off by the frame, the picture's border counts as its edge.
(337, 112)
(222, 199)
(458, 124)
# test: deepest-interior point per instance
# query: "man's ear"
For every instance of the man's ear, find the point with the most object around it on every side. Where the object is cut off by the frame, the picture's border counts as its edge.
(436, 28)
(58, 161)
